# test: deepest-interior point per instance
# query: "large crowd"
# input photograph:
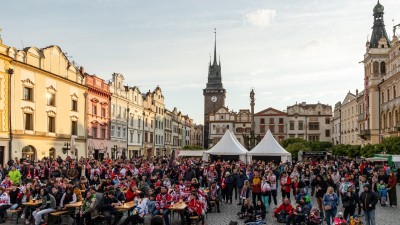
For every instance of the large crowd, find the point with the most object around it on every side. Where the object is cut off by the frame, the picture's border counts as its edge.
(157, 185)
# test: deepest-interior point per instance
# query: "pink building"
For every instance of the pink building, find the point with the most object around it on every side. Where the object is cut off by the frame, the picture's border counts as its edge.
(98, 117)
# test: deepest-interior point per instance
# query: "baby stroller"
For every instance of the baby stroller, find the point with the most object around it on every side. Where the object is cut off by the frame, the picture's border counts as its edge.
(314, 218)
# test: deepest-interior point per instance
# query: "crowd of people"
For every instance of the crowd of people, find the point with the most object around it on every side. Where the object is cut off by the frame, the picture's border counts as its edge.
(157, 184)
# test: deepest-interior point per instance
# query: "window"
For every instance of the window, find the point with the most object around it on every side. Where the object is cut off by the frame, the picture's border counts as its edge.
(313, 125)
(292, 135)
(151, 124)
(51, 99)
(271, 120)
(103, 133)
(139, 122)
(74, 128)
(383, 67)
(28, 121)
(394, 92)
(313, 137)
(328, 121)
(151, 138)
(28, 93)
(112, 130)
(132, 120)
(327, 133)
(280, 120)
(222, 117)
(103, 112)
(94, 132)
(383, 97)
(291, 125)
(118, 131)
(388, 94)
(94, 110)
(138, 138)
(113, 109)
(51, 122)
(119, 112)
(124, 132)
(281, 128)
(131, 137)
(272, 129)
(262, 121)
(375, 67)
(301, 125)
(74, 105)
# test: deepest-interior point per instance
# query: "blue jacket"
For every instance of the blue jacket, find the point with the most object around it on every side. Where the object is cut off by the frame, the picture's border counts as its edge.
(332, 201)
(240, 180)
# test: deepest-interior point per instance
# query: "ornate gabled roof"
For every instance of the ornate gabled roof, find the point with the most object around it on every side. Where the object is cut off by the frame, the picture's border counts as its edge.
(378, 30)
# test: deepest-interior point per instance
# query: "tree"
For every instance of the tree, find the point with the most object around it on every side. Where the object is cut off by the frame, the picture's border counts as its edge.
(285, 143)
(319, 145)
(370, 150)
(391, 145)
(340, 150)
(294, 148)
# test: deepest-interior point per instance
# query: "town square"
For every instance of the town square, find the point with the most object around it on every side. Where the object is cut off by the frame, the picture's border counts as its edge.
(227, 112)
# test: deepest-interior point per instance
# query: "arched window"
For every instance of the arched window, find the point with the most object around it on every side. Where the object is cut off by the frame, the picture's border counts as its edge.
(375, 68)
(383, 67)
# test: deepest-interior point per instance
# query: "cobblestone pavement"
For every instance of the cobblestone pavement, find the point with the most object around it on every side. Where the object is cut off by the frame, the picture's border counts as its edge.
(384, 215)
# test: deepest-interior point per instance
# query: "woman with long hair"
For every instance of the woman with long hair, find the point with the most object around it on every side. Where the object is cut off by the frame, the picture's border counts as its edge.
(330, 203)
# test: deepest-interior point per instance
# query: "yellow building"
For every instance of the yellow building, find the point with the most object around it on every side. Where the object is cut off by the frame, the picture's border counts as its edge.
(4, 101)
(47, 102)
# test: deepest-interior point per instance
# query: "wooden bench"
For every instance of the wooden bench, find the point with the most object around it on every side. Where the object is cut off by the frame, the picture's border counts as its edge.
(58, 215)
(14, 212)
(195, 219)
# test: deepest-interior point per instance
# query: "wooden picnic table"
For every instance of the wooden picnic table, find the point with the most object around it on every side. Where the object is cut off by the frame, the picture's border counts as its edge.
(31, 203)
(126, 206)
(178, 206)
(74, 205)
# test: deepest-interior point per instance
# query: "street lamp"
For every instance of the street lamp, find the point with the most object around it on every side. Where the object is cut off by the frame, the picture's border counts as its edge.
(10, 73)
(66, 148)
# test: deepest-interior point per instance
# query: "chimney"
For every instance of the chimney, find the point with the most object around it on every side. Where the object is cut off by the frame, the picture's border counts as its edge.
(357, 92)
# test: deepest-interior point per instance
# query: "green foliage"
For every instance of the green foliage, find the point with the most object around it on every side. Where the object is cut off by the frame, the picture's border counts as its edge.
(285, 143)
(319, 145)
(370, 150)
(294, 148)
(189, 147)
(391, 145)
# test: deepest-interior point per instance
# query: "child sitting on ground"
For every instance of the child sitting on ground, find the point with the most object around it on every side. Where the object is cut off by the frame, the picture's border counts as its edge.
(355, 220)
(339, 219)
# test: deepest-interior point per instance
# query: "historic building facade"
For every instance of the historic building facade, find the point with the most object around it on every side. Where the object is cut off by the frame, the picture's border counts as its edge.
(97, 117)
(311, 122)
(349, 128)
(5, 73)
(273, 120)
(135, 122)
(48, 101)
(119, 116)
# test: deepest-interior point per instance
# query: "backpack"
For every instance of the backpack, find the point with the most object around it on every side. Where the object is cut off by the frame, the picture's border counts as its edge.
(282, 217)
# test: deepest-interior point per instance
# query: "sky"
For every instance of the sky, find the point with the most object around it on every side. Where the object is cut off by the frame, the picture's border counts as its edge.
(287, 50)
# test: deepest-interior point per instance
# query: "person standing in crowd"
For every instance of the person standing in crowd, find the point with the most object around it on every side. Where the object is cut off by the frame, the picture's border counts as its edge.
(256, 187)
(392, 189)
(350, 202)
(368, 200)
(265, 191)
(245, 193)
(285, 182)
(330, 203)
(229, 187)
(240, 178)
(271, 177)
(320, 186)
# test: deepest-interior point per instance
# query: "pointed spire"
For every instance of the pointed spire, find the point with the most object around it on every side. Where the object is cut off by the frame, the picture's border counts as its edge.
(215, 46)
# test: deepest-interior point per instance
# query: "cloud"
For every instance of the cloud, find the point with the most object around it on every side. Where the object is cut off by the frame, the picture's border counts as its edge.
(260, 18)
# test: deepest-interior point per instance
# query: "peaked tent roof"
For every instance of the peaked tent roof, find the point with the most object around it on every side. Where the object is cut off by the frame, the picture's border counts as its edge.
(269, 147)
(228, 145)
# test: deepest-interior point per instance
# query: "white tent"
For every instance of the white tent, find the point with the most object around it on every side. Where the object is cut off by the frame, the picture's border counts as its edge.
(228, 146)
(269, 147)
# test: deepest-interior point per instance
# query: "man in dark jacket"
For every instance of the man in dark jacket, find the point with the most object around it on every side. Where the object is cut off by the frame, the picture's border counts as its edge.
(189, 174)
(107, 207)
(240, 178)
(368, 200)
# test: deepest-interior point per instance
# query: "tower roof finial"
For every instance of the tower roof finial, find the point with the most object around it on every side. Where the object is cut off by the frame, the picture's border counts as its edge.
(215, 46)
